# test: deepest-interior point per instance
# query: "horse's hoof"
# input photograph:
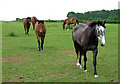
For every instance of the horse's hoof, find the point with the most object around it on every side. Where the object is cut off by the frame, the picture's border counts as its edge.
(96, 76)
(79, 66)
(85, 71)
(67, 29)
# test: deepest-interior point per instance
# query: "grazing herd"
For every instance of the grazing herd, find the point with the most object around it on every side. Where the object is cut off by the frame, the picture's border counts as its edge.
(85, 37)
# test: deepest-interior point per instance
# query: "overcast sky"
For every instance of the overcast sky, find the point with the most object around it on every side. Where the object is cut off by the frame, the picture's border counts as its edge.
(51, 9)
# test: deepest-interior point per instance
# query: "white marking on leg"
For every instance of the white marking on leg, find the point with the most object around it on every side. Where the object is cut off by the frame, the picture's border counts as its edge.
(85, 71)
(79, 66)
(96, 76)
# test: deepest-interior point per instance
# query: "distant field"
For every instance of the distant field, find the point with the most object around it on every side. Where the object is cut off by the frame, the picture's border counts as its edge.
(22, 62)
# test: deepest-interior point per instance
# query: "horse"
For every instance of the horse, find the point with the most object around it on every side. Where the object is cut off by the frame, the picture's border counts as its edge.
(34, 20)
(40, 30)
(27, 23)
(86, 22)
(85, 38)
(69, 21)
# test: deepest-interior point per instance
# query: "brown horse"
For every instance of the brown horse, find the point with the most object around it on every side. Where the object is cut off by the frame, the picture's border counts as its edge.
(40, 30)
(27, 23)
(34, 20)
(86, 22)
(69, 21)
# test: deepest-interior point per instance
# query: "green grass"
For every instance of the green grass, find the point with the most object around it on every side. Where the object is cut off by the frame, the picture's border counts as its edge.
(22, 61)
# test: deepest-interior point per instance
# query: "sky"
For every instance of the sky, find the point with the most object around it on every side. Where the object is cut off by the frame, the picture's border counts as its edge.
(50, 9)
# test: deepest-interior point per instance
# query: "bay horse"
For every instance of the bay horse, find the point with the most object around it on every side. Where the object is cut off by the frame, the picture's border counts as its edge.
(34, 20)
(69, 21)
(86, 22)
(27, 23)
(40, 30)
(85, 38)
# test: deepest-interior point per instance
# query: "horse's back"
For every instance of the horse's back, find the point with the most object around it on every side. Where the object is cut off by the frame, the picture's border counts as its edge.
(78, 30)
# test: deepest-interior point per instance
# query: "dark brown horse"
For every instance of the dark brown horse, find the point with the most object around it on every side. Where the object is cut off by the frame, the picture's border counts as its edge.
(34, 20)
(86, 22)
(40, 30)
(69, 21)
(27, 23)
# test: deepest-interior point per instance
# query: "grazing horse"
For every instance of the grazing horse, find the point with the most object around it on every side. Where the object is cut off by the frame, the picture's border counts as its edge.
(34, 20)
(40, 30)
(69, 21)
(86, 22)
(85, 38)
(27, 23)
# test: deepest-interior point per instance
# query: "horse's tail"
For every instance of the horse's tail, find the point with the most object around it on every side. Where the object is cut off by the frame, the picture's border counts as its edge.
(77, 21)
(64, 24)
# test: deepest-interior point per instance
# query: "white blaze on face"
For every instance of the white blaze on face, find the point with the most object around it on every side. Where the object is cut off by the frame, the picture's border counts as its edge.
(101, 34)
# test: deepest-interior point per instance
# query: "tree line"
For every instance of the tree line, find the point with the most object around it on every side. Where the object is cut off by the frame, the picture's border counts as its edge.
(108, 15)
(111, 16)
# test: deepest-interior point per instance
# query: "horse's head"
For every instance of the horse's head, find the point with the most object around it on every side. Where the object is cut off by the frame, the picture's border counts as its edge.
(100, 28)
(41, 26)
(29, 19)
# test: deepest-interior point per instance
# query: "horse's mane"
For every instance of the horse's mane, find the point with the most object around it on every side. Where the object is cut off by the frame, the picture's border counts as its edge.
(92, 24)
(40, 21)
(99, 23)
(28, 18)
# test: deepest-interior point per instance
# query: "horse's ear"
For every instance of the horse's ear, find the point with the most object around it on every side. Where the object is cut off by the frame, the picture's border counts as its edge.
(40, 21)
(104, 22)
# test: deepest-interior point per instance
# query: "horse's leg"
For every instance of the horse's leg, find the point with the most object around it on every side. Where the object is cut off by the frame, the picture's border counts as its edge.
(80, 60)
(42, 42)
(85, 59)
(68, 26)
(27, 31)
(39, 43)
(74, 24)
(77, 51)
(94, 62)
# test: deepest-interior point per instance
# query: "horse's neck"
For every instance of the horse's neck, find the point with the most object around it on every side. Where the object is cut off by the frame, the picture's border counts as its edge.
(91, 34)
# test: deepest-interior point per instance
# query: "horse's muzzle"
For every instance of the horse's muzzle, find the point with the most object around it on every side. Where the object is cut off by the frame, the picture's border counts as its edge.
(40, 33)
(103, 44)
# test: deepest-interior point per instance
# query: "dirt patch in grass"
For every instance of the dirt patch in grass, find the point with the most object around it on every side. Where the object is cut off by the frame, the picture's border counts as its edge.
(66, 51)
(3, 41)
(14, 59)
(74, 55)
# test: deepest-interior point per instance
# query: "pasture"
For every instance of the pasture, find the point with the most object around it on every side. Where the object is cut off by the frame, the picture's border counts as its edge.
(22, 62)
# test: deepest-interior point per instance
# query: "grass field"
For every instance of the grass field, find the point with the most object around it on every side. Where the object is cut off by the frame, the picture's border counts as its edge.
(22, 62)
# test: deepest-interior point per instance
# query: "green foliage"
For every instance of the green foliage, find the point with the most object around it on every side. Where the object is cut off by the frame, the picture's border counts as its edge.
(71, 14)
(96, 15)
